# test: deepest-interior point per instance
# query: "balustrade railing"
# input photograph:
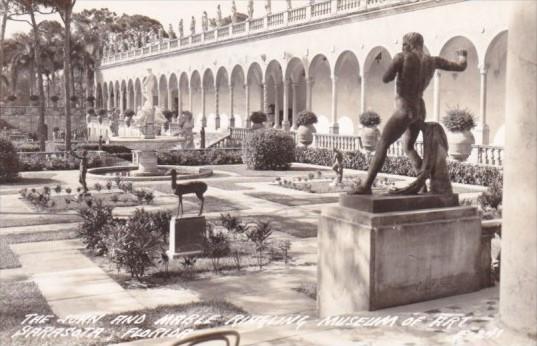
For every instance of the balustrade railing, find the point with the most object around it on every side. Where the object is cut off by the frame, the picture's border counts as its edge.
(210, 35)
(294, 16)
(257, 24)
(345, 5)
(239, 28)
(223, 32)
(297, 14)
(275, 19)
(321, 8)
(489, 154)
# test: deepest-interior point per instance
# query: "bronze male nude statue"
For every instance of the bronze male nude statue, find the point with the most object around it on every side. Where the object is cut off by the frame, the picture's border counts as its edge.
(414, 70)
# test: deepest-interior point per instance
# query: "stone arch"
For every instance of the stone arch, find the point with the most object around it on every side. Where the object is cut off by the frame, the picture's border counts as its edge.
(99, 96)
(222, 85)
(208, 82)
(173, 86)
(255, 81)
(460, 88)
(162, 100)
(123, 95)
(379, 96)
(274, 93)
(349, 88)
(295, 73)
(495, 68)
(130, 93)
(195, 90)
(184, 98)
(138, 98)
(238, 81)
(320, 75)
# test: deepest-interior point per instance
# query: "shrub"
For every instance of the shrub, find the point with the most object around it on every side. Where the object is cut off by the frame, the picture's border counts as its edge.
(54, 98)
(258, 234)
(149, 197)
(216, 246)
(90, 98)
(91, 111)
(73, 98)
(492, 197)
(135, 245)
(34, 98)
(200, 157)
(232, 223)
(268, 149)
(129, 113)
(98, 187)
(68, 190)
(458, 120)
(11, 98)
(369, 119)
(459, 172)
(168, 114)
(114, 198)
(96, 225)
(9, 161)
(306, 118)
(58, 188)
(258, 117)
(102, 112)
(108, 185)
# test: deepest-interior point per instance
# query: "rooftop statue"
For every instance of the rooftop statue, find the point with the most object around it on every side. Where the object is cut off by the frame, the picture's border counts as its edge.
(414, 70)
(193, 26)
(181, 29)
(171, 33)
(268, 7)
(218, 15)
(233, 12)
(250, 9)
(204, 21)
(289, 5)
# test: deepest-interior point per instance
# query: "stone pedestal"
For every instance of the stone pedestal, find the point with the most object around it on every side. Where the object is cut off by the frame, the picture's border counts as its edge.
(186, 236)
(146, 161)
(376, 252)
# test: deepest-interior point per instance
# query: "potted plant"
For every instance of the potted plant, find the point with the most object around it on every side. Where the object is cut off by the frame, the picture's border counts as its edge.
(459, 122)
(129, 113)
(305, 130)
(101, 114)
(34, 99)
(257, 119)
(54, 100)
(73, 99)
(90, 100)
(370, 133)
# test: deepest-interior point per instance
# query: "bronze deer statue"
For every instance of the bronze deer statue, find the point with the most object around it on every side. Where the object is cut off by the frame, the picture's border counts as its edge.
(197, 187)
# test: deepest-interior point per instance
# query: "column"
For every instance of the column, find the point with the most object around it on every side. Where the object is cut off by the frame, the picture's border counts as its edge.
(179, 100)
(231, 115)
(362, 94)
(110, 100)
(294, 105)
(170, 98)
(334, 128)
(247, 96)
(277, 124)
(286, 124)
(264, 98)
(128, 99)
(436, 96)
(190, 98)
(216, 107)
(203, 115)
(482, 130)
(518, 283)
(309, 86)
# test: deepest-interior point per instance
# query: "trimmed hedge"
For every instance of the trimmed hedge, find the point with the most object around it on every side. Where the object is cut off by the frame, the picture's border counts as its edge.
(41, 163)
(200, 157)
(9, 161)
(268, 149)
(464, 173)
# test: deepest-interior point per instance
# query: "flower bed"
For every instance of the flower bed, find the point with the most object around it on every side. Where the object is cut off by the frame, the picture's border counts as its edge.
(200, 157)
(464, 173)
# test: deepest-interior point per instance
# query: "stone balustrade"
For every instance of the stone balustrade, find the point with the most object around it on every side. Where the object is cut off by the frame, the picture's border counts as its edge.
(297, 16)
(483, 154)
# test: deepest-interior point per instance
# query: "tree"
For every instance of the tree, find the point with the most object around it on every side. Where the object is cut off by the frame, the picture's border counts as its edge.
(7, 9)
(31, 7)
(65, 9)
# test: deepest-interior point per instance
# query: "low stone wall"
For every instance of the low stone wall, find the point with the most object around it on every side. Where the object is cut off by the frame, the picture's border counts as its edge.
(26, 119)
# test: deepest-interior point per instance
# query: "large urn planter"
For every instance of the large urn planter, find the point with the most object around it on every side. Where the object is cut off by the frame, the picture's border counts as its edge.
(257, 119)
(304, 134)
(460, 144)
(370, 137)
(459, 122)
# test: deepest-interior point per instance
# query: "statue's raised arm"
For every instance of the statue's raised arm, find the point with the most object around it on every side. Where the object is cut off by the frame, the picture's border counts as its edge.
(446, 65)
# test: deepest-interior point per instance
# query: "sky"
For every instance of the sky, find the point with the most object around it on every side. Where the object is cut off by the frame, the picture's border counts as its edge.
(166, 11)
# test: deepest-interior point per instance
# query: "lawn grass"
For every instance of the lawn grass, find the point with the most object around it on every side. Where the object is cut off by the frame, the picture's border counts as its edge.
(8, 259)
(20, 298)
(292, 201)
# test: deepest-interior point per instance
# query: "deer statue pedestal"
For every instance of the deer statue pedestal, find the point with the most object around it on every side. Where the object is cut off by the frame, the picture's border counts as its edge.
(186, 236)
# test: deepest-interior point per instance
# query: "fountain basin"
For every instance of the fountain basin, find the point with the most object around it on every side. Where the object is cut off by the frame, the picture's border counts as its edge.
(128, 173)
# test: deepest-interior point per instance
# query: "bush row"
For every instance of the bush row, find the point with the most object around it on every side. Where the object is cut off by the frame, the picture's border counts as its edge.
(41, 163)
(464, 173)
(200, 157)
